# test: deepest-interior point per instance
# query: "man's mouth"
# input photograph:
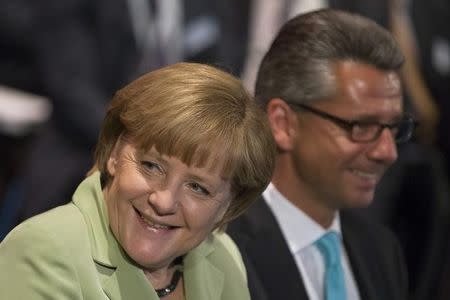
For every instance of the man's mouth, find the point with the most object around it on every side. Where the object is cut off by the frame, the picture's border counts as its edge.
(373, 176)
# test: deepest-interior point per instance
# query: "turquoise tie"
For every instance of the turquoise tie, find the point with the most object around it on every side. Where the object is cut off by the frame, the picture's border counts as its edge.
(334, 284)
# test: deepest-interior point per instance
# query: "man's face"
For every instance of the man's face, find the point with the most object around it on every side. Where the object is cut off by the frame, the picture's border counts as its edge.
(332, 168)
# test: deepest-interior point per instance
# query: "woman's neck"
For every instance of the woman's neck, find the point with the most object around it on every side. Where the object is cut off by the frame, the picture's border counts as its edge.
(168, 280)
(160, 278)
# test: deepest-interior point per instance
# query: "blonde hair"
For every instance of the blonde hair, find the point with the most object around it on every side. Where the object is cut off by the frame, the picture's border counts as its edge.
(189, 111)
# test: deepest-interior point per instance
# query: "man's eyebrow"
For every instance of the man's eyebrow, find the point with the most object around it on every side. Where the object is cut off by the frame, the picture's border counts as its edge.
(369, 118)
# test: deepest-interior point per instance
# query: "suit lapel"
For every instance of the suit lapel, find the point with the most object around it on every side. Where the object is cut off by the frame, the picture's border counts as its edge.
(270, 256)
(358, 250)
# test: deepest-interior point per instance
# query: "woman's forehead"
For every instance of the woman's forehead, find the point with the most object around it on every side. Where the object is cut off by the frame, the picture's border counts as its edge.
(214, 158)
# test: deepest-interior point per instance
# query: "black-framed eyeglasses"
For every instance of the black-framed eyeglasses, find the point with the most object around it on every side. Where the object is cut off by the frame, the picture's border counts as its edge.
(365, 132)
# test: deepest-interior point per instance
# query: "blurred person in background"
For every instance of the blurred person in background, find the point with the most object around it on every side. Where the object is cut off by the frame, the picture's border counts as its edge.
(77, 53)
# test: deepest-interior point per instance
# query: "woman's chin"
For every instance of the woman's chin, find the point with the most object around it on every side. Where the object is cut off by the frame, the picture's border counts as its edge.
(149, 247)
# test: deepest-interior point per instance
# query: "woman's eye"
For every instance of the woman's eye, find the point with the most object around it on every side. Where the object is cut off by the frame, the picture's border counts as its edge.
(199, 189)
(152, 166)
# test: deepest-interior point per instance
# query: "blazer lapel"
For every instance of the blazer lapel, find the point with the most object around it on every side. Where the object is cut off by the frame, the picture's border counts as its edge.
(127, 282)
(358, 255)
(270, 256)
(119, 278)
(203, 281)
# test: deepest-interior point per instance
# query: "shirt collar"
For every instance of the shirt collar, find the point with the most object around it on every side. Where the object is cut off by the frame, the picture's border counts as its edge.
(299, 229)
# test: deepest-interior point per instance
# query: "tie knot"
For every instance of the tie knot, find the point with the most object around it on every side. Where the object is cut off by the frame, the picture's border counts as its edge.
(328, 246)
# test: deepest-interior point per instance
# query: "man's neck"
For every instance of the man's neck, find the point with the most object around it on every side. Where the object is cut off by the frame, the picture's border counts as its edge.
(301, 195)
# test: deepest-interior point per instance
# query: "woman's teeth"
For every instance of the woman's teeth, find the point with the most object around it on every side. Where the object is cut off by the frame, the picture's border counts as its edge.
(154, 225)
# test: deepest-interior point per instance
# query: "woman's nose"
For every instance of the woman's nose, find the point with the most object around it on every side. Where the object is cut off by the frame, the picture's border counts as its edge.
(164, 201)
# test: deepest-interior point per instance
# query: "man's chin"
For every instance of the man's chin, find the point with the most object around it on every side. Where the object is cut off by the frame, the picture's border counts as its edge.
(362, 200)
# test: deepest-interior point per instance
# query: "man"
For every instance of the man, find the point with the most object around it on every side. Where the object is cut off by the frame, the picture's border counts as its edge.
(332, 93)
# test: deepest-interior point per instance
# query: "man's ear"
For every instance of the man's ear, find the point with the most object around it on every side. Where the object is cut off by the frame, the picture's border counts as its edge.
(283, 123)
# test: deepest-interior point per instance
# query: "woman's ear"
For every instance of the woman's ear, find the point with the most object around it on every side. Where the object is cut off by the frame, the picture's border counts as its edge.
(222, 212)
(111, 164)
(283, 123)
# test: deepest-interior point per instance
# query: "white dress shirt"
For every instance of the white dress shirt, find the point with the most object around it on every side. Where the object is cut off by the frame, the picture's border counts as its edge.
(300, 232)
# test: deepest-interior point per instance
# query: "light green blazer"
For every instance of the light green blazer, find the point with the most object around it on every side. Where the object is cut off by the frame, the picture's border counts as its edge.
(70, 253)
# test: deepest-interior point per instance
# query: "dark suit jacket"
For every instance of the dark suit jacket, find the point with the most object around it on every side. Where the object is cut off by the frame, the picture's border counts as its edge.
(375, 257)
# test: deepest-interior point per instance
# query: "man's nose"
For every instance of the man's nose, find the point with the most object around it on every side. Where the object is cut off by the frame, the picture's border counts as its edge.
(384, 149)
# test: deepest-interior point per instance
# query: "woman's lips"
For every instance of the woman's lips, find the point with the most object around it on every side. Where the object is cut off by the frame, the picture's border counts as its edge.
(153, 225)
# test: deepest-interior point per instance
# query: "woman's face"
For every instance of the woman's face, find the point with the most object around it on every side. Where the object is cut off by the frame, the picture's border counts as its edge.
(159, 208)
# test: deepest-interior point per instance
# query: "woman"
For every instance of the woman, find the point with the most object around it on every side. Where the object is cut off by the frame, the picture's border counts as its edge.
(182, 151)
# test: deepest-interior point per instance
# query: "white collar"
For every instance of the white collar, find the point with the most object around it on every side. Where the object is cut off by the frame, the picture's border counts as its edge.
(299, 229)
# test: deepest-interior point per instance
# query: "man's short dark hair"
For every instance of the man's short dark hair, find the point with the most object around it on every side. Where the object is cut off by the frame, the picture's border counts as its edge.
(298, 65)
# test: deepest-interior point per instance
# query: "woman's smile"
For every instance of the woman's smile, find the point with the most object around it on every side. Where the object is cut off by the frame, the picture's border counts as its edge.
(154, 226)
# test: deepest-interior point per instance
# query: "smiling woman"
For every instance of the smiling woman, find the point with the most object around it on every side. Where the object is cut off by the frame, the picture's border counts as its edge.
(182, 151)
